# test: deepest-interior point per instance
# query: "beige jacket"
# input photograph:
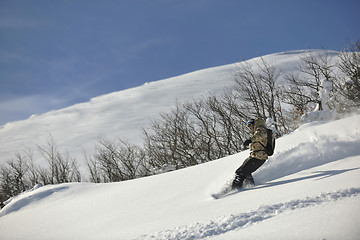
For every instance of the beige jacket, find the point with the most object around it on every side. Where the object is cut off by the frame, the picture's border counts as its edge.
(259, 136)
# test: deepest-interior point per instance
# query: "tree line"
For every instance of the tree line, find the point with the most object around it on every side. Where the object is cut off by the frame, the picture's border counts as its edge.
(203, 129)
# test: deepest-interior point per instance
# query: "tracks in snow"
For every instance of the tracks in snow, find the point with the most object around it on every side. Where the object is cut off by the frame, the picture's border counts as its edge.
(241, 220)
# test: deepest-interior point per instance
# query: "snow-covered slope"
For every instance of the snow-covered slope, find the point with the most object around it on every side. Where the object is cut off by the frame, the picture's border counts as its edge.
(310, 189)
(124, 114)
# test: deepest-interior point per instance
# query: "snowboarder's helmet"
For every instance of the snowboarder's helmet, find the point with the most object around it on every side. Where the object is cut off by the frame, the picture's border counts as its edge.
(250, 123)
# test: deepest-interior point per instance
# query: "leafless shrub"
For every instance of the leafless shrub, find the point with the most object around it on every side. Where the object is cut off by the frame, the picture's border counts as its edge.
(348, 83)
(116, 160)
(21, 173)
(259, 92)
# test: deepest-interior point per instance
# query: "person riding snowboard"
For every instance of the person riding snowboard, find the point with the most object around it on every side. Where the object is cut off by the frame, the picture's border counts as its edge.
(258, 156)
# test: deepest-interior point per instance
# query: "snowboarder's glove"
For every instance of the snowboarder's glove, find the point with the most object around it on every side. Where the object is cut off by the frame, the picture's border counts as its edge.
(247, 143)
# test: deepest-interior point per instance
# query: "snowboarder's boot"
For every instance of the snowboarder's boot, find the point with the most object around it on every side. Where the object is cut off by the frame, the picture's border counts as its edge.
(237, 183)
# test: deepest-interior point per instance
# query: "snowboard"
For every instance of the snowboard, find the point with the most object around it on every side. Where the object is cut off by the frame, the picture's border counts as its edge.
(223, 193)
(228, 190)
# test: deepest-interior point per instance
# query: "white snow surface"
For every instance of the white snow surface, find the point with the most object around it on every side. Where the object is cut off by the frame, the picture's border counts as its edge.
(309, 189)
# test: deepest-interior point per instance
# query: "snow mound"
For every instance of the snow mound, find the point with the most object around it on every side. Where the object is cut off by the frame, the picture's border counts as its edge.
(29, 197)
(312, 145)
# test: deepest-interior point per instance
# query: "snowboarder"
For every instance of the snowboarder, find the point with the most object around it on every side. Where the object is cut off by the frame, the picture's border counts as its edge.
(258, 156)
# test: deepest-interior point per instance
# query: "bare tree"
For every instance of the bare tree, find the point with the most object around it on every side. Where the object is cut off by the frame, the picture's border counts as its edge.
(6, 184)
(132, 158)
(171, 140)
(222, 122)
(116, 160)
(96, 174)
(348, 84)
(259, 92)
(107, 157)
(312, 87)
(205, 125)
(62, 168)
(17, 175)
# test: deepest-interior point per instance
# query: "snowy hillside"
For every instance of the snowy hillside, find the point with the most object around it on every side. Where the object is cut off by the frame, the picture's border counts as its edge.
(310, 189)
(124, 114)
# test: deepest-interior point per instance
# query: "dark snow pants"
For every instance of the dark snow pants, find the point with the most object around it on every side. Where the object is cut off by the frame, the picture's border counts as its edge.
(249, 166)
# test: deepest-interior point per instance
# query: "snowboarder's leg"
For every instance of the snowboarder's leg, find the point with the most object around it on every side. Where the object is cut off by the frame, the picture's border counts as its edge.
(249, 166)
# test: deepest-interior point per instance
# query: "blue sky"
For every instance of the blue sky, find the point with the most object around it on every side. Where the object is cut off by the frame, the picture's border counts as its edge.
(54, 54)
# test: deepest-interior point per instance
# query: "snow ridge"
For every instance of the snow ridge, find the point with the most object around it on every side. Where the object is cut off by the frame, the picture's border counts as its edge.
(28, 197)
(242, 220)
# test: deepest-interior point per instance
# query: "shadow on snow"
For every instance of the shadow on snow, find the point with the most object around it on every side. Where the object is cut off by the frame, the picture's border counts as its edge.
(22, 202)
